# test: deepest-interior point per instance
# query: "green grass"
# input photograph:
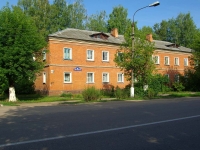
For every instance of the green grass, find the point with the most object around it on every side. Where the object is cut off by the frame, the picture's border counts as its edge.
(78, 99)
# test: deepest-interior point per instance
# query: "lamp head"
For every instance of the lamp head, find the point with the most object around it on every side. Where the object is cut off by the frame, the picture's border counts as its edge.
(154, 4)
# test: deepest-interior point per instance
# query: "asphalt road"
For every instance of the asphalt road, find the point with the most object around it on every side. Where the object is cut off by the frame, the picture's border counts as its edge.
(147, 125)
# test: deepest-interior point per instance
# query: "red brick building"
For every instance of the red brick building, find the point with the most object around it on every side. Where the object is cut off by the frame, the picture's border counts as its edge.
(77, 59)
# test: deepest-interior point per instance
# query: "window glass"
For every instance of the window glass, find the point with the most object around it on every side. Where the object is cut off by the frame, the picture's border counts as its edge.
(90, 55)
(67, 77)
(105, 77)
(120, 77)
(90, 77)
(67, 53)
(105, 56)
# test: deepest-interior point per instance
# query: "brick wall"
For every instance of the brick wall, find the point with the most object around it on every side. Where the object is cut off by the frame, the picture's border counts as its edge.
(57, 66)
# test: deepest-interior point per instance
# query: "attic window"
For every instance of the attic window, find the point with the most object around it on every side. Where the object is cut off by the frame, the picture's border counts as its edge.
(173, 45)
(100, 36)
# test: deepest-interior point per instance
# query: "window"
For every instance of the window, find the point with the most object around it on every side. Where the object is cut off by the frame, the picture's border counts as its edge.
(105, 56)
(90, 77)
(120, 77)
(67, 53)
(105, 77)
(44, 54)
(44, 78)
(67, 77)
(156, 59)
(176, 61)
(90, 55)
(185, 61)
(166, 60)
(176, 78)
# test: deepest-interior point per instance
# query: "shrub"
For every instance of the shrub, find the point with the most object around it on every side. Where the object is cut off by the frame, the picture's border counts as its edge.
(121, 93)
(178, 86)
(151, 93)
(91, 94)
(69, 95)
(108, 91)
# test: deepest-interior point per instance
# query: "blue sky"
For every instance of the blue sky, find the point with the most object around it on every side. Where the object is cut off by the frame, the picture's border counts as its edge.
(147, 17)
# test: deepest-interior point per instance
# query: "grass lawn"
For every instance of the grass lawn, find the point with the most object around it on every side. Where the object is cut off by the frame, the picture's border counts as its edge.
(78, 98)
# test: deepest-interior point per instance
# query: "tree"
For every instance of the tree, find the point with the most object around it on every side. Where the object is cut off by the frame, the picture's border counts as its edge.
(141, 62)
(39, 10)
(97, 22)
(77, 15)
(193, 73)
(19, 41)
(180, 30)
(118, 19)
(59, 16)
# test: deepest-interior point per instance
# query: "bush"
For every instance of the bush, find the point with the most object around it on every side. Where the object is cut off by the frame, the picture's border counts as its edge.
(121, 93)
(151, 93)
(108, 91)
(178, 86)
(69, 95)
(91, 94)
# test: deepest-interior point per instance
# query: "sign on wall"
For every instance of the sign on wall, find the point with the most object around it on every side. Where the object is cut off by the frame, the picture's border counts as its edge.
(77, 69)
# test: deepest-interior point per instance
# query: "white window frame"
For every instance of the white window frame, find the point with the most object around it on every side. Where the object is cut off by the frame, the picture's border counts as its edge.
(122, 77)
(69, 55)
(70, 77)
(166, 62)
(44, 77)
(107, 56)
(185, 61)
(88, 80)
(176, 61)
(91, 55)
(156, 61)
(103, 77)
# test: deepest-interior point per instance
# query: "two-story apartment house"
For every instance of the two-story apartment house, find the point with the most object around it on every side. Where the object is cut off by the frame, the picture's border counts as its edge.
(77, 59)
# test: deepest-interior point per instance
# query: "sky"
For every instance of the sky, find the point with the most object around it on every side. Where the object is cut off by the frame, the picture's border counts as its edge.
(149, 16)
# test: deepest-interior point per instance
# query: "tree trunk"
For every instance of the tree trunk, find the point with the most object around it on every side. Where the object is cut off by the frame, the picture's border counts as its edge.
(12, 96)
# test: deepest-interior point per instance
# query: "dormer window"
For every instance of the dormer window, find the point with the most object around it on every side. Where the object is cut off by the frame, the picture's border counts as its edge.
(173, 45)
(101, 35)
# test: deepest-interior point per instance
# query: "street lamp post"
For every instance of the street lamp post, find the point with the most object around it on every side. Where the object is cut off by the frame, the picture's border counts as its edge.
(132, 72)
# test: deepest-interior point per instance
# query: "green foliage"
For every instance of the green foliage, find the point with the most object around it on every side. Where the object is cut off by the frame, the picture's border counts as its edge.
(121, 93)
(156, 83)
(53, 17)
(178, 86)
(108, 91)
(191, 80)
(39, 11)
(68, 95)
(24, 87)
(139, 60)
(19, 41)
(118, 19)
(180, 30)
(139, 91)
(91, 94)
(97, 22)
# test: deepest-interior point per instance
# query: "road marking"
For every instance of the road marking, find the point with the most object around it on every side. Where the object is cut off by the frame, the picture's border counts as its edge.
(96, 132)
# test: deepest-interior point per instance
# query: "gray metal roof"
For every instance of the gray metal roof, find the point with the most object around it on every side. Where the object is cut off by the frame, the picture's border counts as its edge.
(85, 35)
(165, 46)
